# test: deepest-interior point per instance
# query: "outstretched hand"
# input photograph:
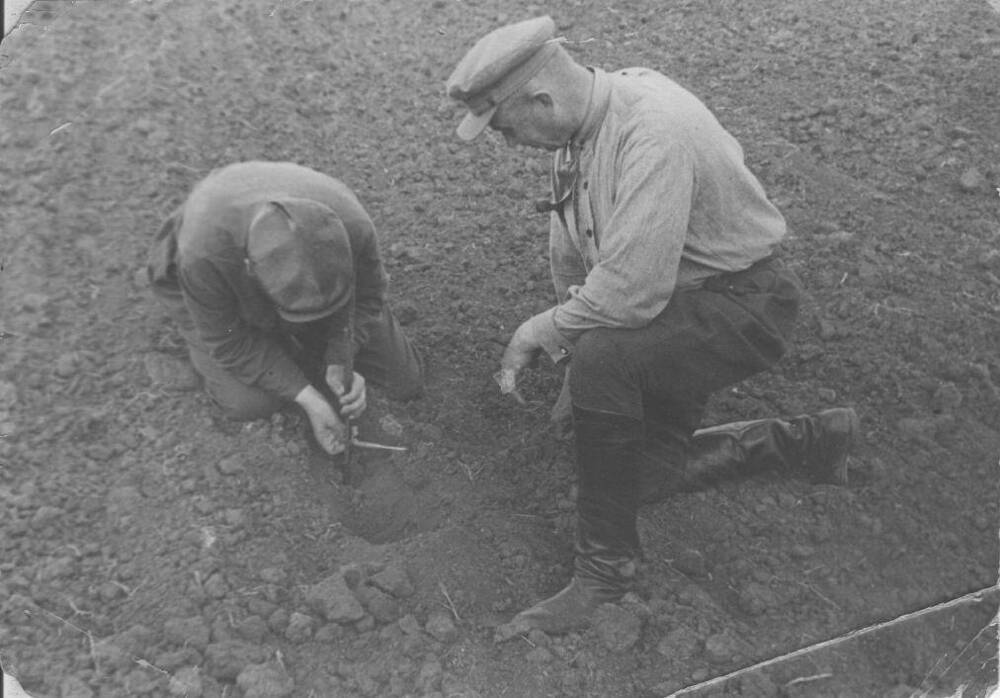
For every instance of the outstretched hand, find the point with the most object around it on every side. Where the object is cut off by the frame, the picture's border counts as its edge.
(521, 352)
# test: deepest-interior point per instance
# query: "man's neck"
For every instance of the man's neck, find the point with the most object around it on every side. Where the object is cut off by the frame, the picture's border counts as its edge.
(585, 96)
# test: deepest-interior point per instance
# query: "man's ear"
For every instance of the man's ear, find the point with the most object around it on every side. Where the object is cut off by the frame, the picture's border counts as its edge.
(542, 98)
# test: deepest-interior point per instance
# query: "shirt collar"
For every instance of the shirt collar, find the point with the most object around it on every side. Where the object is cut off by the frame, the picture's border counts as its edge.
(600, 96)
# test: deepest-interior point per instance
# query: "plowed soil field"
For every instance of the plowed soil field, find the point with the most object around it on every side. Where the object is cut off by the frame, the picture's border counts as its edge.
(149, 547)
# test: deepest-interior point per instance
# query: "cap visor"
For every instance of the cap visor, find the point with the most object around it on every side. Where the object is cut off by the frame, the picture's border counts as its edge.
(473, 124)
(306, 317)
(333, 308)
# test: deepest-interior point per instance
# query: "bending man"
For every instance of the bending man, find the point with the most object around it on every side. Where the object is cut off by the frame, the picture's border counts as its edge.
(273, 275)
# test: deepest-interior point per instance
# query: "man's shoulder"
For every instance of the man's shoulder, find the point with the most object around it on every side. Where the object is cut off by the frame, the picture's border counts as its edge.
(639, 72)
(646, 100)
(648, 89)
(642, 81)
(223, 201)
(260, 177)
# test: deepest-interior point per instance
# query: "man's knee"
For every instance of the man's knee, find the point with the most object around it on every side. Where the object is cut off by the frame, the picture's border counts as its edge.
(601, 377)
(392, 363)
(239, 402)
(598, 352)
(243, 403)
(409, 385)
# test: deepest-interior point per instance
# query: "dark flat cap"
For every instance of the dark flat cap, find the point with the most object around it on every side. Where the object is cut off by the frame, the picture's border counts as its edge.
(498, 66)
(299, 252)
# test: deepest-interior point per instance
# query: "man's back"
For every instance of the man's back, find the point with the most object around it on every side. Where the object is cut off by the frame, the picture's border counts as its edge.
(219, 209)
(731, 221)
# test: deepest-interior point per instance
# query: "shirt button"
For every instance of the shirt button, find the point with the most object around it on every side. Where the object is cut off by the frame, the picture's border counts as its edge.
(585, 184)
(590, 233)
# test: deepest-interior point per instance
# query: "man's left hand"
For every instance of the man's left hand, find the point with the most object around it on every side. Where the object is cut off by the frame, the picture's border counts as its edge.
(353, 400)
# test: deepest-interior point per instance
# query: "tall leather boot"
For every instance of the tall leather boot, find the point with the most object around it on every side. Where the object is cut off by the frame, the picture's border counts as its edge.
(607, 541)
(814, 447)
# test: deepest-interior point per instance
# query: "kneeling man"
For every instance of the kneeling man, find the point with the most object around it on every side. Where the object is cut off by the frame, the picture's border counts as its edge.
(272, 273)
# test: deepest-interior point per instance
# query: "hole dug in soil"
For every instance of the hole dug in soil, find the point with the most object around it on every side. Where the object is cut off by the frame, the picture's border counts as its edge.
(377, 499)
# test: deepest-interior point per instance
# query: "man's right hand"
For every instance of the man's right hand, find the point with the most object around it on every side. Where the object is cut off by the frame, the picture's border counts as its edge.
(522, 350)
(329, 430)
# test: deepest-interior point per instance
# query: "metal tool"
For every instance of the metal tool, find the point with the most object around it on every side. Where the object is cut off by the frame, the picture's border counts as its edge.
(357, 443)
(351, 429)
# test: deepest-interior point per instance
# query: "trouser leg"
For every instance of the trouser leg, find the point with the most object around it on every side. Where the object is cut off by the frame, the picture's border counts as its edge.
(664, 374)
(678, 457)
(607, 452)
(664, 467)
(701, 342)
(390, 361)
(239, 401)
(814, 447)
(607, 541)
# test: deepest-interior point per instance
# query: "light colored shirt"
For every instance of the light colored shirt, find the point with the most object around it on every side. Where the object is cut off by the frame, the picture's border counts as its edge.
(662, 200)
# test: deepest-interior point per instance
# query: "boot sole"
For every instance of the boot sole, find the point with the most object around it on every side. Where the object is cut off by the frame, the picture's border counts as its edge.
(570, 609)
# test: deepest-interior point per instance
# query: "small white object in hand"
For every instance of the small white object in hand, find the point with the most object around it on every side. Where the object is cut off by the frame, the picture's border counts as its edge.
(506, 378)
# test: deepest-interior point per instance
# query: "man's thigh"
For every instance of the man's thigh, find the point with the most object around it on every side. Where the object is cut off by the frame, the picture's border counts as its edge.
(703, 341)
(239, 401)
